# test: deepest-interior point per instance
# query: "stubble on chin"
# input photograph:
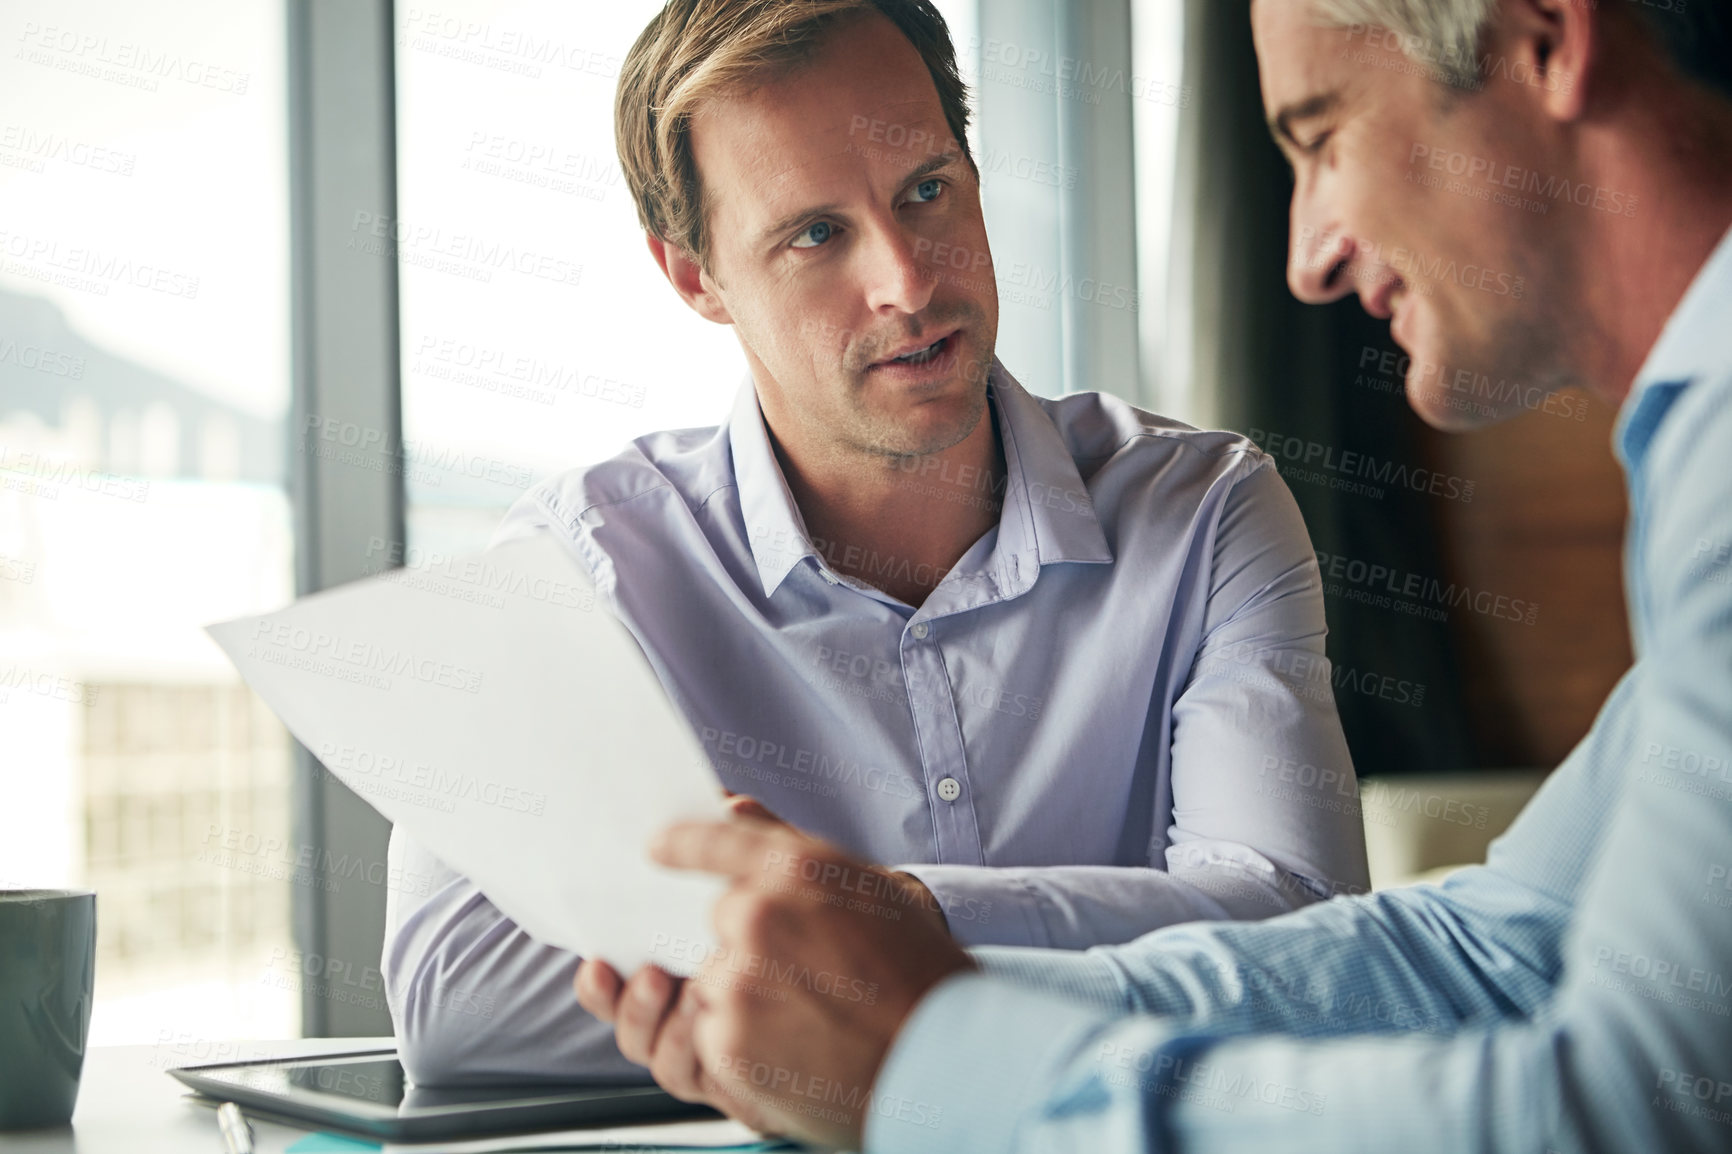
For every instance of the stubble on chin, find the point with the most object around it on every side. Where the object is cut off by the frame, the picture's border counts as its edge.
(878, 435)
(1464, 386)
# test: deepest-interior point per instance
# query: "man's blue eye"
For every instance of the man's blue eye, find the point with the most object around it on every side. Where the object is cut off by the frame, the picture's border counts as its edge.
(814, 236)
(928, 190)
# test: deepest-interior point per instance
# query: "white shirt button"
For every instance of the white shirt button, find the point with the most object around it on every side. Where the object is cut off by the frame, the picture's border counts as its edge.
(920, 631)
(950, 789)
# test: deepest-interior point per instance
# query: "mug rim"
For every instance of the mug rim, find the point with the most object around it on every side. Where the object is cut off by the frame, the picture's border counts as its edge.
(8, 894)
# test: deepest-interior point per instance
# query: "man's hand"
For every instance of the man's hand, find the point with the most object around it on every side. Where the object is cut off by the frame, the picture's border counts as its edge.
(919, 900)
(821, 958)
(653, 1013)
(652, 1024)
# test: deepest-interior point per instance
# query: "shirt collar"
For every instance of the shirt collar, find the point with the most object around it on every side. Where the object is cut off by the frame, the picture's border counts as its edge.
(1047, 515)
(1048, 511)
(1691, 345)
(774, 528)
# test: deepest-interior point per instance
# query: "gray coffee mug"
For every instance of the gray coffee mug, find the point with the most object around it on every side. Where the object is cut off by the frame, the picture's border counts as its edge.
(47, 970)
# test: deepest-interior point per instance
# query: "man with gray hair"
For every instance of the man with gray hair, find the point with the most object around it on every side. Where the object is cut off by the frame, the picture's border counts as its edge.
(1575, 992)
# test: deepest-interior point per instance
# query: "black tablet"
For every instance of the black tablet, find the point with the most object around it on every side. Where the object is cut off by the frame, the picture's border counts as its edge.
(367, 1094)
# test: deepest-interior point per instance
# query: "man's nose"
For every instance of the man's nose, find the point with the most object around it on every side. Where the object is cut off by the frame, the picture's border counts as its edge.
(899, 273)
(1319, 263)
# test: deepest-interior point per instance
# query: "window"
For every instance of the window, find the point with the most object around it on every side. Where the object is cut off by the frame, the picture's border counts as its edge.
(143, 386)
(506, 161)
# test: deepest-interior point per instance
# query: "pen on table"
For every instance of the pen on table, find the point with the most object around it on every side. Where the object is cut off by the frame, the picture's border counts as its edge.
(237, 1135)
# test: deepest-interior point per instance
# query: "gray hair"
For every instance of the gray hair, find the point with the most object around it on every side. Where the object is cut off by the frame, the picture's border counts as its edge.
(1445, 35)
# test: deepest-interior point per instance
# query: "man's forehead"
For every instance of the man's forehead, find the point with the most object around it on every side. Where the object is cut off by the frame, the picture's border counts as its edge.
(762, 134)
(1299, 58)
(785, 144)
(763, 149)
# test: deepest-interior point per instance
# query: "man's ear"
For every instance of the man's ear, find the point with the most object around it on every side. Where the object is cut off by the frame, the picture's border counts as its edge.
(694, 285)
(1552, 47)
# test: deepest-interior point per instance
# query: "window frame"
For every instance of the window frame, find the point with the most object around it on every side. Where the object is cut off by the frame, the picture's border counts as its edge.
(345, 348)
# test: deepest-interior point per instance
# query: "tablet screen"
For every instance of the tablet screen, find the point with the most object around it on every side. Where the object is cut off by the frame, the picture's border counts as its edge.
(381, 1081)
(378, 1080)
(369, 1093)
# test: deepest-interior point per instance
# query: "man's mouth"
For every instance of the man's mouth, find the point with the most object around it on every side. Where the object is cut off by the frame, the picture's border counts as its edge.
(925, 354)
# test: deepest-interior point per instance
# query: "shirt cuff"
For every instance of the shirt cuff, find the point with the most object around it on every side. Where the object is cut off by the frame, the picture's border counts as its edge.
(1079, 977)
(975, 1055)
(984, 907)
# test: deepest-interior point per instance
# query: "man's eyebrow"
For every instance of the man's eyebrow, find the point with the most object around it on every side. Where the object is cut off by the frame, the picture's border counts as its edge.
(1281, 124)
(927, 167)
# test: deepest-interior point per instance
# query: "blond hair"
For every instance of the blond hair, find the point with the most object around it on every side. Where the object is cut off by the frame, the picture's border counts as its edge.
(696, 50)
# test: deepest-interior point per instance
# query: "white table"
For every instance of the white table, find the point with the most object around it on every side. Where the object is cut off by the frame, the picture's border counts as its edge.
(127, 1103)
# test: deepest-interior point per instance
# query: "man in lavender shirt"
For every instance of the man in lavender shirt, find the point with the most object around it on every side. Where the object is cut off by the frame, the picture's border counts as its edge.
(1062, 660)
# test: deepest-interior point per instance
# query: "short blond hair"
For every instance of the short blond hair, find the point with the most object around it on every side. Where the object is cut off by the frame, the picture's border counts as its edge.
(696, 50)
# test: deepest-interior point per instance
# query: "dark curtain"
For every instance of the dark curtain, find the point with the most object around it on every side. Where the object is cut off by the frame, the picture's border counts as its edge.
(1279, 366)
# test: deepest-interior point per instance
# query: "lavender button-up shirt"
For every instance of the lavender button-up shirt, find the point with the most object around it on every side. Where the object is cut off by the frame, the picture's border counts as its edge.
(1113, 714)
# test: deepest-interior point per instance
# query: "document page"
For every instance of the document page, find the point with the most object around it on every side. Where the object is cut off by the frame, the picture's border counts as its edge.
(496, 709)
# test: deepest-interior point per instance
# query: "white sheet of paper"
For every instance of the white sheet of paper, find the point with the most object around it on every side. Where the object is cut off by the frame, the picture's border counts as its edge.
(494, 709)
(713, 1134)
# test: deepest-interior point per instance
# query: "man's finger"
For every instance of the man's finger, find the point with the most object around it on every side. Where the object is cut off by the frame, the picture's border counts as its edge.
(598, 987)
(675, 1060)
(737, 1102)
(742, 806)
(648, 998)
(735, 849)
(742, 919)
(725, 1077)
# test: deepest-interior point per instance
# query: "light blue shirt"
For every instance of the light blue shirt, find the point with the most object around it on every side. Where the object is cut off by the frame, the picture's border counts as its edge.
(1575, 993)
(1112, 714)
